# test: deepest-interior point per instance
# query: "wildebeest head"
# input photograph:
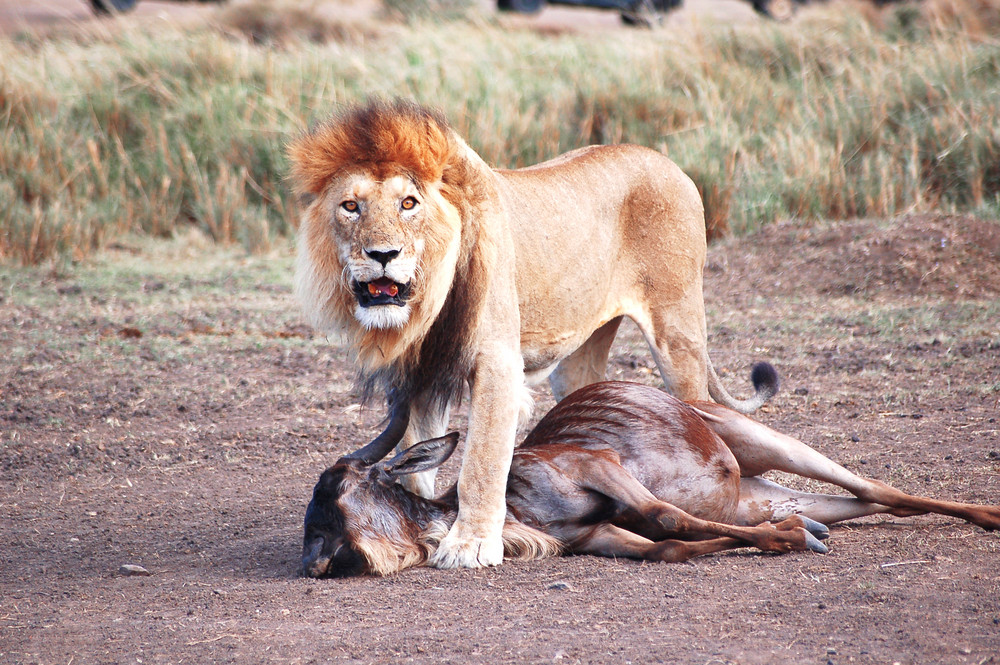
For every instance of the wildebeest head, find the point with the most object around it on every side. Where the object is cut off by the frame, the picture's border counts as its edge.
(325, 547)
(361, 521)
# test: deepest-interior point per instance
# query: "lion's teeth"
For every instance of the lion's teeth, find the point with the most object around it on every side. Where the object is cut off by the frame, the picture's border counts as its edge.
(375, 290)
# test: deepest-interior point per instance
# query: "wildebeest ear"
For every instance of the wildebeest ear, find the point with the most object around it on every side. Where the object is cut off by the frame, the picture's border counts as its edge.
(329, 481)
(423, 456)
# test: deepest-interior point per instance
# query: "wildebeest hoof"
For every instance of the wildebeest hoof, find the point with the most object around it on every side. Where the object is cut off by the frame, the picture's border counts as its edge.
(813, 544)
(817, 529)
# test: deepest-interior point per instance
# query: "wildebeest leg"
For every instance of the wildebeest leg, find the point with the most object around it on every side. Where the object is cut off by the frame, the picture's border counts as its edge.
(426, 422)
(612, 480)
(763, 501)
(587, 364)
(759, 448)
(611, 541)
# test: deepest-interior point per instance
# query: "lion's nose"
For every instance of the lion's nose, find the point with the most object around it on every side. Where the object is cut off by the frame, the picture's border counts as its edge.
(382, 257)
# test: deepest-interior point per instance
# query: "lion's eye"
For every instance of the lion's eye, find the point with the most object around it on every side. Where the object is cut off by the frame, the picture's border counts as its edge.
(409, 203)
(350, 206)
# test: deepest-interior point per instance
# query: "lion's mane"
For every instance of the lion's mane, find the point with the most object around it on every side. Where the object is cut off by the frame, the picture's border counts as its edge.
(433, 354)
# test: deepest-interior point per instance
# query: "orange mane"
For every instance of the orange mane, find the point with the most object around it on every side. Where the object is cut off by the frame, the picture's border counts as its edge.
(384, 138)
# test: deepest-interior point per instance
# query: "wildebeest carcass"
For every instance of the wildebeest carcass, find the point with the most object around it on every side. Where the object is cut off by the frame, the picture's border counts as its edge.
(615, 469)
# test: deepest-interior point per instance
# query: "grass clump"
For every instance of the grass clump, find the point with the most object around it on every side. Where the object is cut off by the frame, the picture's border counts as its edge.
(417, 10)
(284, 22)
(838, 114)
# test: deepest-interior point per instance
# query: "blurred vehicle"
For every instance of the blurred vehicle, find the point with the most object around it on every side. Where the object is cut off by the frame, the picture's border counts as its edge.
(111, 6)
(647, 12)
(117, 6)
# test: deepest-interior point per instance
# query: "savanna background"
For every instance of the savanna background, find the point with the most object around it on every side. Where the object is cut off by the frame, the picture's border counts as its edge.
(162, 403)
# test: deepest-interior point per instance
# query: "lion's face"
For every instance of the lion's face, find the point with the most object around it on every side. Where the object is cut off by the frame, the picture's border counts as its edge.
(380, 251)
(378, 226)
(382, 236)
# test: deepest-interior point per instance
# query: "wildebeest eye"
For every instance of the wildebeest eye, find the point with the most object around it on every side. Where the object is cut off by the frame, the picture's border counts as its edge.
(350, 206)
(409, 203)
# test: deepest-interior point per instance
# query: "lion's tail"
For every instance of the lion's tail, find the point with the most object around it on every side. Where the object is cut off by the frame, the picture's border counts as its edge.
(765, 385)
(763, 375)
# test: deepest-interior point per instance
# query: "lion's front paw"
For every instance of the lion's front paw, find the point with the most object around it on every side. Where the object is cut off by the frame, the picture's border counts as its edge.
(468, 552)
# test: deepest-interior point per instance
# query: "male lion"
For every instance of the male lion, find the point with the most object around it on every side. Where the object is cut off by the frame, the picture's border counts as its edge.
(442, 272)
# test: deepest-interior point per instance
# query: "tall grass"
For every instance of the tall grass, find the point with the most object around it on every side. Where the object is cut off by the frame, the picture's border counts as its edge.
(838, 114)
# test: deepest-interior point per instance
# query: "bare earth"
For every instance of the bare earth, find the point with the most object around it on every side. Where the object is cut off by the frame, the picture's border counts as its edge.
(62, 16)
(165, 407)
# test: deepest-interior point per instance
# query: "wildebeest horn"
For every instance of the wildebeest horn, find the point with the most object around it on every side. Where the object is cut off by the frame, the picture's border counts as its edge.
(399, 420)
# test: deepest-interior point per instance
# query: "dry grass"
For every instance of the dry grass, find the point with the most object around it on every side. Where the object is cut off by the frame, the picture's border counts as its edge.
(284, 22)
(836, 115)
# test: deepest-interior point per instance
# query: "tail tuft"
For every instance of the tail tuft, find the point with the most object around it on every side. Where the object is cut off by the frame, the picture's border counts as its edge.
(765, 383)
(765, 380)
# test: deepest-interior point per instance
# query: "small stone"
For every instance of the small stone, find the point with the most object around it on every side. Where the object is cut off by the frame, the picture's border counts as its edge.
(831, 651)
(560, 586)
(130, 570)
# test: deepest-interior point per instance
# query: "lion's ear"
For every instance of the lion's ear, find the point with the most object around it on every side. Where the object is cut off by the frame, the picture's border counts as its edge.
(468, 182)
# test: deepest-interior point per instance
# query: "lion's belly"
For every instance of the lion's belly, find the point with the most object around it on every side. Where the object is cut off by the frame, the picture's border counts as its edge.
(569, 284)
(541, 359)
(533, 377)
(549, 333)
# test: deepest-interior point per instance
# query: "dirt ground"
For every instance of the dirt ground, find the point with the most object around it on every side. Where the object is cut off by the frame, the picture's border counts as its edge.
(165, 407)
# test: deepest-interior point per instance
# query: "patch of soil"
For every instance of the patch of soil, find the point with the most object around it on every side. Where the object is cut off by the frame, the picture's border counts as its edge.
(916, 255)
(178, 424)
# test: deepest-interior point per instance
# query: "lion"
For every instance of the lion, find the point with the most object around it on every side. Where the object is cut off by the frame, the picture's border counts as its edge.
(443, 273)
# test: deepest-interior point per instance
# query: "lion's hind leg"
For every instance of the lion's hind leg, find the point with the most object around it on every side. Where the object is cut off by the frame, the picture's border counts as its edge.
(587, 364)
(426, 422)
(676, 339)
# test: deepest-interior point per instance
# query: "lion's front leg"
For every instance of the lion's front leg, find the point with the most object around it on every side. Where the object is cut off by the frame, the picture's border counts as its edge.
(475, 540)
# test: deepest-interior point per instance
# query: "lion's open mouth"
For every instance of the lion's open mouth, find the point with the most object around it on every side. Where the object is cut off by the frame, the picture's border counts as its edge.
(382, 291)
